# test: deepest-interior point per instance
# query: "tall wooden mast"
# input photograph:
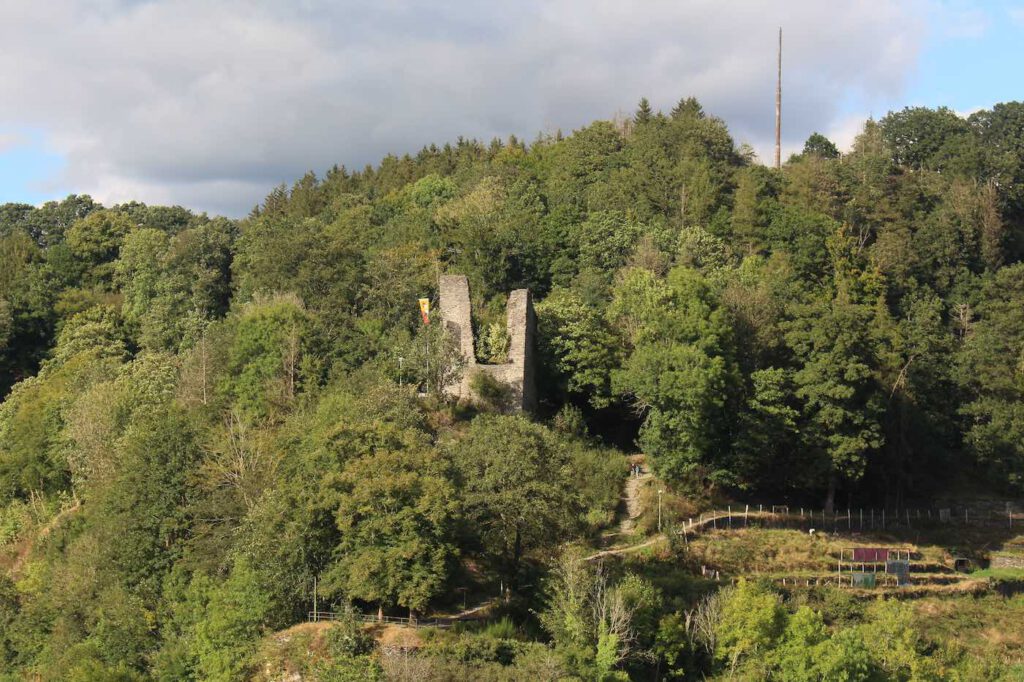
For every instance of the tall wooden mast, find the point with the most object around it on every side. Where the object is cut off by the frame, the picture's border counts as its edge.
(778, 108)
(778, 105)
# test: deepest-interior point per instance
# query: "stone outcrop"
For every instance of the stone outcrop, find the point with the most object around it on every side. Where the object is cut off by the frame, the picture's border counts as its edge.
(518, 373)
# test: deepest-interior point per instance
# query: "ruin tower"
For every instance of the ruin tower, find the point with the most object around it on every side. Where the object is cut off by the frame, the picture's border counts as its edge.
(518, 373)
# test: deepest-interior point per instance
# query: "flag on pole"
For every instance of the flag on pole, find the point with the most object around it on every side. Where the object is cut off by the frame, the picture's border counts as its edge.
(425, 310)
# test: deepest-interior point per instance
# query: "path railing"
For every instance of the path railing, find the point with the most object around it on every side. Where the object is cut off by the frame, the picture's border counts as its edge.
(852, 519)
(317, 616)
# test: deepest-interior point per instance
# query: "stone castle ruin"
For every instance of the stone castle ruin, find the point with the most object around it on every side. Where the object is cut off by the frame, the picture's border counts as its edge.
(517, 374)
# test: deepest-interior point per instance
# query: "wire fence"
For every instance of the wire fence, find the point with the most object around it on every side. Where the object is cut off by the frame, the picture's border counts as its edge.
(861, 519)
(851, 519)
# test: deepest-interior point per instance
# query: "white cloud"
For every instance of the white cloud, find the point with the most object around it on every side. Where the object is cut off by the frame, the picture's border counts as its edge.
(9, 141)
(211, 104)
(844, 131)
(959, 19)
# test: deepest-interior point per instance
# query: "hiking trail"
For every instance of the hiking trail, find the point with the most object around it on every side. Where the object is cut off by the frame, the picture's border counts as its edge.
(633, 507)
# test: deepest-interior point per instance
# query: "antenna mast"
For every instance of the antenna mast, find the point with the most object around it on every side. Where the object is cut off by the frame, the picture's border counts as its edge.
(778, 109)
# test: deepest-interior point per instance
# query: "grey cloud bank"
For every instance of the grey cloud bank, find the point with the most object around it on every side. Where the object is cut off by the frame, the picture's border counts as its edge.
(211, 104)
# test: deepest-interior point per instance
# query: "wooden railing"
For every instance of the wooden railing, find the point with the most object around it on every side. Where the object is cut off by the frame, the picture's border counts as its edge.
(854, 519)
(317, 616)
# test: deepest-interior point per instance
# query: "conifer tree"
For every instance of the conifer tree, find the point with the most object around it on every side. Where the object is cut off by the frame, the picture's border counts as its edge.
(643, 112)
(688, 106)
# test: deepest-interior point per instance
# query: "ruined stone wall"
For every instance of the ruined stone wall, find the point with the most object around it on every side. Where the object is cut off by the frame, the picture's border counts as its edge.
(518, 372)
(456, 312)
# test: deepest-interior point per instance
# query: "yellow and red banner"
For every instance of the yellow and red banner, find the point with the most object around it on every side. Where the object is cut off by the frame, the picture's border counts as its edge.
(425, 310)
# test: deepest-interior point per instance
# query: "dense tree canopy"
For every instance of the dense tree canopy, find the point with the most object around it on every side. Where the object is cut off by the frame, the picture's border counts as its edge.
(209, 417)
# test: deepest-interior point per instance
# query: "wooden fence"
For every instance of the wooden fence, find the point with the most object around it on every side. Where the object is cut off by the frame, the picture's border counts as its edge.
(317, 616)
(862, 519)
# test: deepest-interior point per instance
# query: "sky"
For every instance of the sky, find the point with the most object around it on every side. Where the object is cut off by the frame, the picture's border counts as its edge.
(209, 105)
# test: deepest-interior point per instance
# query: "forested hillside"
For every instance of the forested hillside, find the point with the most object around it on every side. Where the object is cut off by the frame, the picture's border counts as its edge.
(202, 417)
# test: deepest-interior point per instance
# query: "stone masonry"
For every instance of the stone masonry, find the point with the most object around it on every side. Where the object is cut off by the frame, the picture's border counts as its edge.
(517, 373)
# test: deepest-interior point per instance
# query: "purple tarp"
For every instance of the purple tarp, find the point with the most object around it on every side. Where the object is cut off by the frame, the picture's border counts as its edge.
(870, 554)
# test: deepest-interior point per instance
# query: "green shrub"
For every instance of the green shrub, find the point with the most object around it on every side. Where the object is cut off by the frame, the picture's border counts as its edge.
(490, 393)
(13, 520)
(501, 629)
(569, 420)
(752, 620)
(493, 344)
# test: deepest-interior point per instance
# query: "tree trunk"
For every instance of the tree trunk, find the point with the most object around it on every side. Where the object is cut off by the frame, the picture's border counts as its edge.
(517, 553)
(830, 496)
(380, 612)
(203, 347)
